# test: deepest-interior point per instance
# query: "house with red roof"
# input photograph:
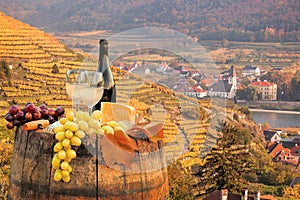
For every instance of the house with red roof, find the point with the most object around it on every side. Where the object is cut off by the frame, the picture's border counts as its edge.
(281, 154)
(295, 151)
(267, 89)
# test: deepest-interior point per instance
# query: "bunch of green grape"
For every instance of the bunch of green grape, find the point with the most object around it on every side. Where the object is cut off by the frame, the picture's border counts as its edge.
(67, 135)
(89, 124)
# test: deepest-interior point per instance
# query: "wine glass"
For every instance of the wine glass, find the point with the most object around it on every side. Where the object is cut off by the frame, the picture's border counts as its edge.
(92, 89)
(73, 84)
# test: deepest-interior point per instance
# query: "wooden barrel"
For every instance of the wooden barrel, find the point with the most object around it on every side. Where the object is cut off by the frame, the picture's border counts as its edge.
(115, 175)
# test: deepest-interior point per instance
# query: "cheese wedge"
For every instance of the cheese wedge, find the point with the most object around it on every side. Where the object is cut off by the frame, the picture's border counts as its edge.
(117, 112)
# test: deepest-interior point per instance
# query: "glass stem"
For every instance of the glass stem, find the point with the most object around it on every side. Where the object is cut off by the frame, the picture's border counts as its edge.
(90, 110)
(76, 106)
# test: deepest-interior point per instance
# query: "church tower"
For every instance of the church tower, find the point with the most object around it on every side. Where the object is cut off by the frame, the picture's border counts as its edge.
(232, 76)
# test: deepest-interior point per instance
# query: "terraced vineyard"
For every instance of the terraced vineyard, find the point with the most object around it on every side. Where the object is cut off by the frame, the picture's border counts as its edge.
(38, 67)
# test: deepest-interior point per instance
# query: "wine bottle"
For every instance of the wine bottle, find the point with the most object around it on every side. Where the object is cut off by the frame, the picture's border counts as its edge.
(109, 94)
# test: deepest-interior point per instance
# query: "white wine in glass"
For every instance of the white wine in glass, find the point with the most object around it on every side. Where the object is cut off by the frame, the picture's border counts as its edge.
(73, 84)
(92, 90)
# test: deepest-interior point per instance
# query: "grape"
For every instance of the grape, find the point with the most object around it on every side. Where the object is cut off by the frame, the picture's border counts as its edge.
(75, 141)
(63, 121)
(85, 116)
(28, 113)
(51, 112)
(57, 176)
(69, 134)
(67, 159)
(59, 129)
(30, 108)
(17, 123)
(9, 117)
(13, 110)
(78, 115)
(10, 125)
(67, 147)
(57, 147)
(83, 125)
(28, 116)
(60, 136)
(44, 113)
(80, 133)
(56, 162)
(61, 154)
(71, 153)
(66, 142)
(105, 128)
(100, 131)
(110, 130)
(36, 109)
(43, 107)
(67, 125)
(112, 124)
(20, 115)
(70, 169)
(59, 111)
(64, 165)
(94, 123)
(70, 116)
(97, 114)
(66, 179)
(51, 119)
(65, 173)
(37, 115)
(74, 127)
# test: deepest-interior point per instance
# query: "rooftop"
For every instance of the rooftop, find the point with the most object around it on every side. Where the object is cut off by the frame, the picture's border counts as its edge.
(222, 86)
(262, 83)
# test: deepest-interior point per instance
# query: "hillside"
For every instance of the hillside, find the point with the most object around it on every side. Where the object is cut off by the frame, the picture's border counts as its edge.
(236, 20)
(189, 129)
(37, 62)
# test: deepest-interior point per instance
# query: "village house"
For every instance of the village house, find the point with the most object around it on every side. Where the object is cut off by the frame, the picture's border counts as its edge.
(267, 89)
(188, 90)
(224, 194)
(281, 154)
(208, 82)
(250, 70)
(290, 142)
(162, 67)
(226, 86)
(272, 135)
(295, 151)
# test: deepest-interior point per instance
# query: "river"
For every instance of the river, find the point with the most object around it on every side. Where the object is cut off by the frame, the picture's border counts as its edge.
(277, 119)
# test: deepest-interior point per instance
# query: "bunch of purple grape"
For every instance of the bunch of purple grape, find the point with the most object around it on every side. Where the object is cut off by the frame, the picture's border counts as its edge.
(17, 116)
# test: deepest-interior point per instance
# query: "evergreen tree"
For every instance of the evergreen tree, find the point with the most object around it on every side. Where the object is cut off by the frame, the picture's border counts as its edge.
(55, 69)
(227, 163)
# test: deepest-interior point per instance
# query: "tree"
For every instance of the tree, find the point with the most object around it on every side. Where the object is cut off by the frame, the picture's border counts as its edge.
(180, 182)
(271, 173)
(227, 163)
(5, 69)
(225, 43)
(291, 192)
(250, 93)
(55, 69)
